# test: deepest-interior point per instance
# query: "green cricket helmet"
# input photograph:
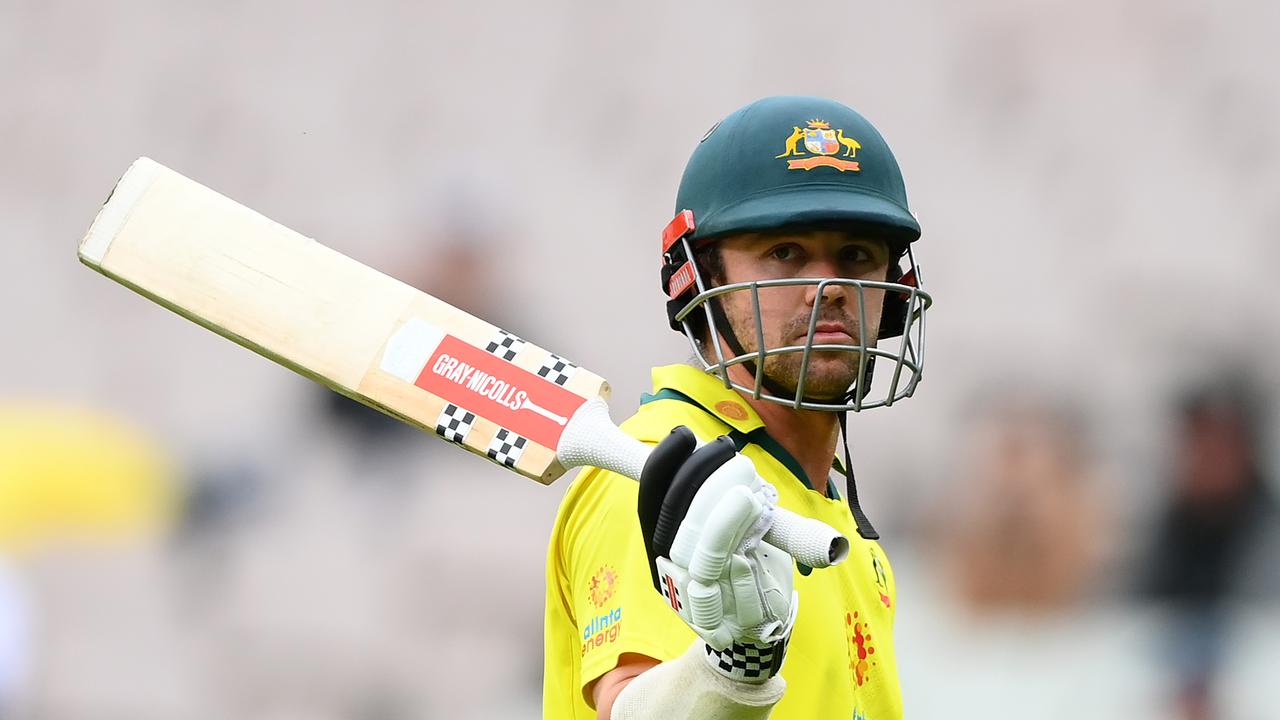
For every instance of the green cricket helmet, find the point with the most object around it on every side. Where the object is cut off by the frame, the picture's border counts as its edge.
(795, 162)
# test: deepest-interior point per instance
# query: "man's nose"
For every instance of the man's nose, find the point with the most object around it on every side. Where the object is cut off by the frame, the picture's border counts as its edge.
(831, 292)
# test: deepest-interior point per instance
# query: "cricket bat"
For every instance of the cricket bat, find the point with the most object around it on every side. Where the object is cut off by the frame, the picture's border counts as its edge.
(372, 337)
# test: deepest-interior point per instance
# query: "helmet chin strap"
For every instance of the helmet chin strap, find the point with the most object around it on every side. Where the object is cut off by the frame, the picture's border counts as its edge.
(865, 528)
(731, 339)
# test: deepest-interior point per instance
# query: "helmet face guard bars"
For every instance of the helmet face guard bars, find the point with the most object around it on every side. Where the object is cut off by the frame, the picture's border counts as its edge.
(907, 357)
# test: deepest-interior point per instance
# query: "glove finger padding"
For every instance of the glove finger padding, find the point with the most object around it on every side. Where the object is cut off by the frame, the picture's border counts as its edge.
(718, 519)
(709, 562)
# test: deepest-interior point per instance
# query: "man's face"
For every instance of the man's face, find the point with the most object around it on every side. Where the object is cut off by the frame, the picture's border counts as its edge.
(785, 311)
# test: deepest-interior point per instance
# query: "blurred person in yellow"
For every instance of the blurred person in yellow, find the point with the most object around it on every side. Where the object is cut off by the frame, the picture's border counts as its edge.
(787, 264)
(68, 477)
(77, 474)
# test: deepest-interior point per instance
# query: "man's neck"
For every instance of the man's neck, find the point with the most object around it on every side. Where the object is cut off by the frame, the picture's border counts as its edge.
(809, 435)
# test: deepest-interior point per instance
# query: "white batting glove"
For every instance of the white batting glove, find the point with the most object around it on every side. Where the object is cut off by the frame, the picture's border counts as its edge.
(735, 590)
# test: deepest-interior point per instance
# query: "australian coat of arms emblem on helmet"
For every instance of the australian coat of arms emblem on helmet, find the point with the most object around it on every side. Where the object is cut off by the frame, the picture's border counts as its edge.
(818, 145)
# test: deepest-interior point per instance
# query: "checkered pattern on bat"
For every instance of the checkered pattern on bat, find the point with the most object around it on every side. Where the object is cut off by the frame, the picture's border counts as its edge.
(749, 663)
(505, 345)
(506, 447)
(454, 423)
(557, 369)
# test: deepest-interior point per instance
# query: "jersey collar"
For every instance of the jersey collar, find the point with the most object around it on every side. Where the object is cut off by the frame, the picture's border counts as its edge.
(708, 391)
(687, 383)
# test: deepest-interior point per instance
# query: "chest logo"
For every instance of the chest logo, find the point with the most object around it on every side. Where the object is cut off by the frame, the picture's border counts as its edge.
(882, 581)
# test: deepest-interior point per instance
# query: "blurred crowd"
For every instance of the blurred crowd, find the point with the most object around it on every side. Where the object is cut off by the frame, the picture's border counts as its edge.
(1080, 503)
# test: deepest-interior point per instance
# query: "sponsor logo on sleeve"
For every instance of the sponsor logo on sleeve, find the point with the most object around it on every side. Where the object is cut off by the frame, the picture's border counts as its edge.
(603, 627)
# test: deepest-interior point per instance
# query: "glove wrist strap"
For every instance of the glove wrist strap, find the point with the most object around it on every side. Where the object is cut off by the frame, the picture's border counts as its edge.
(748, 662)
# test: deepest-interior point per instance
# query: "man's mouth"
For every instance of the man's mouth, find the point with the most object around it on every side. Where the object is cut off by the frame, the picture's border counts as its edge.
(832, 333)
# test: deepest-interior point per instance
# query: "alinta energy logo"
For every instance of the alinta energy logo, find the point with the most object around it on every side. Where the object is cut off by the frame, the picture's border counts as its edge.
(604, 627)
(819, 145)
(861, 651)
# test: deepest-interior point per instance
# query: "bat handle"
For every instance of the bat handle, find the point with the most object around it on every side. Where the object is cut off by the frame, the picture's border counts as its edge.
(591, 439)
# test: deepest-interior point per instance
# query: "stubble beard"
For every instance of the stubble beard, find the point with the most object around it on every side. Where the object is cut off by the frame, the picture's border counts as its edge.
(830, 375)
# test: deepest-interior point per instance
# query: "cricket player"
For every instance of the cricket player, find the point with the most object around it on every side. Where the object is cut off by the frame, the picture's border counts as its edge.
(788, 262)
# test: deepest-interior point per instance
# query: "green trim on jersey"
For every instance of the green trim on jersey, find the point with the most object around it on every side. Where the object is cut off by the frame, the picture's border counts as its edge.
(759, 436)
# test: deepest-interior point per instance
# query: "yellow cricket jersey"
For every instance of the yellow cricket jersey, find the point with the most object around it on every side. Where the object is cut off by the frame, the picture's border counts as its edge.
(601, 601)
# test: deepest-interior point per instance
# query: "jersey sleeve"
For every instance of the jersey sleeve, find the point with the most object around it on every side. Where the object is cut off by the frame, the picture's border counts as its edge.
(607, 581)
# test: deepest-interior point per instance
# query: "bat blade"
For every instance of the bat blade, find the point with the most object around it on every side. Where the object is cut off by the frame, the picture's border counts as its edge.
(337, 321)
(372, 337)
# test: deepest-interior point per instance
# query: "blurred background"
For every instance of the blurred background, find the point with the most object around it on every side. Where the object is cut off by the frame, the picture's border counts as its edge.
(1078, 502)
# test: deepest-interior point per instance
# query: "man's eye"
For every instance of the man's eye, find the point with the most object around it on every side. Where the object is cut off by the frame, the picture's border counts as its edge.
(783, 252)
(855, 254)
